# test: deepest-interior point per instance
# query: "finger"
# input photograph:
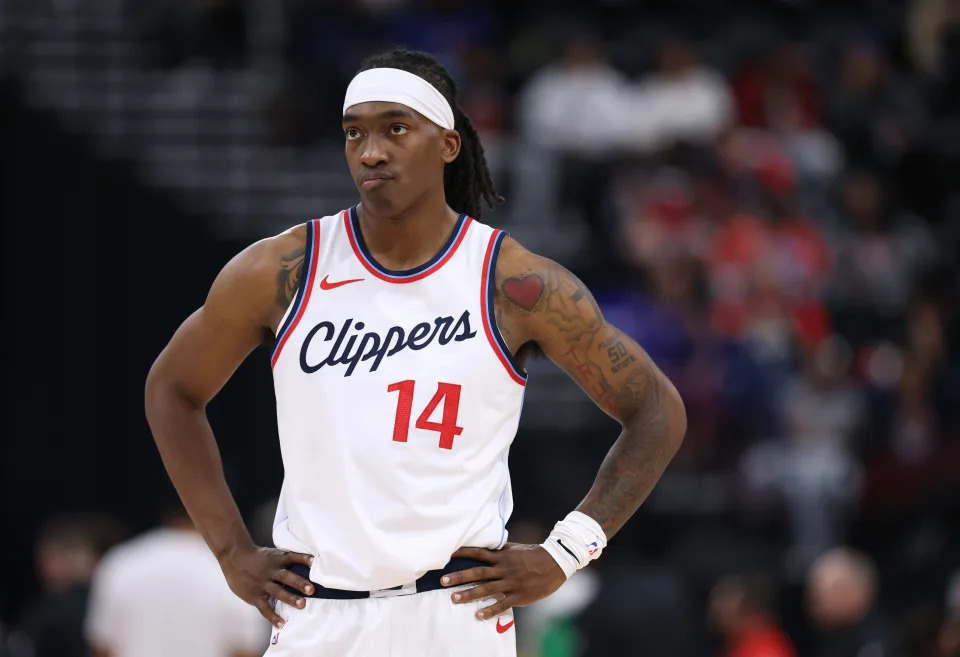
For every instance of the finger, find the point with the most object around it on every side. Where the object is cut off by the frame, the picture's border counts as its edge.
(477, 574)
(294, 581)
(480, 554)
(479, 592)
(284, 596)
(290, 558)
(263, 606)
(495, 609)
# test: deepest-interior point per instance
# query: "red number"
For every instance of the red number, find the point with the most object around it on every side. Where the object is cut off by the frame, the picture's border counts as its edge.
(448, 393)
(401, 424)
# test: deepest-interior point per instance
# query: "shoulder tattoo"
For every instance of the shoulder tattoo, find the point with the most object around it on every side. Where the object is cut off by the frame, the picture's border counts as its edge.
(523, 291)
(289, 276)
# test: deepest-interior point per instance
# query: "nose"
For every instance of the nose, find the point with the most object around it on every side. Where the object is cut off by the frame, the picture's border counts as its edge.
(373, 151)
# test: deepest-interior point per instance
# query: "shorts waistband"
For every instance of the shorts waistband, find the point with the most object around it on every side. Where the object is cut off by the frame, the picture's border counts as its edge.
(430, 581)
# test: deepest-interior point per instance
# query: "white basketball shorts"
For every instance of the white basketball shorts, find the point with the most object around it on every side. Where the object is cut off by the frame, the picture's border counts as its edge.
(425, 624)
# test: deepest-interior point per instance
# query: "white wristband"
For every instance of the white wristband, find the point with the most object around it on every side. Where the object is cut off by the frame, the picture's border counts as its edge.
(575, 541)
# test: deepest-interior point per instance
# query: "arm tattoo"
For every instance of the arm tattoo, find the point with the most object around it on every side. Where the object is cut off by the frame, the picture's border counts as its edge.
(288, 276)
(617, 374)
(583, 293)
(640, 455)
(523, 291)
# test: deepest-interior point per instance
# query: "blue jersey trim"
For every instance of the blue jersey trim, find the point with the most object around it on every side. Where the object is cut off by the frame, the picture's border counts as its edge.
(354, 227)
(309, 264)
(491, 316)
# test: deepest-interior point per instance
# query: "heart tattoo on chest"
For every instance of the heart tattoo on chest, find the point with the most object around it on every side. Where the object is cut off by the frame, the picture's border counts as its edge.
(524, 291)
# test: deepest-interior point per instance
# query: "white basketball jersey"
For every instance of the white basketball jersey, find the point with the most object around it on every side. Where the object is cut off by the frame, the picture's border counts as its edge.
(397, 401)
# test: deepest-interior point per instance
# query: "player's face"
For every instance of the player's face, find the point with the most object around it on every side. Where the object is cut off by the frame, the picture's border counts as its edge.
(396, 156)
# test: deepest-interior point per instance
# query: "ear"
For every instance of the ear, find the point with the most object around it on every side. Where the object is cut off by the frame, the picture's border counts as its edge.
(451, 146)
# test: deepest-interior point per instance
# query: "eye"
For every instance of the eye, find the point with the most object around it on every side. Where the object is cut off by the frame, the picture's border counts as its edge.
(399, 129)
(351, 133)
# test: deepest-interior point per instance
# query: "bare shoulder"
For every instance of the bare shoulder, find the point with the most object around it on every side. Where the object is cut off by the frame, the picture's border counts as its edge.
(534, 293)
(541, 301)
(263, 279)
(515, 258)
(521, 277)
(286, 252)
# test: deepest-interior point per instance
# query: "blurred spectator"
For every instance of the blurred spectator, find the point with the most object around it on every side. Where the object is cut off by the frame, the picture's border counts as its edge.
(877, 117)
(163, 594)
(573, 110)
(879, 257)
(14, 644)
(928, 21)
(842, 592)
(682, 101)
(778, 91)
(913, 435)
(741, 609)
(821, 404)
(575, 105)
(915, 426)
(949, 639)
(812, 470)
(767, 272)
(482, 94)
(67, 552)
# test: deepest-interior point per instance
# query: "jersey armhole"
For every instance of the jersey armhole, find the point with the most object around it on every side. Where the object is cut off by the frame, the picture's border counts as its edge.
(295, 311)
(487, 291)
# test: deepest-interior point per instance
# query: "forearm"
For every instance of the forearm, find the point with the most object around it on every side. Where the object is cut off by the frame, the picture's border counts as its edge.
(192, 460)
(637, 460)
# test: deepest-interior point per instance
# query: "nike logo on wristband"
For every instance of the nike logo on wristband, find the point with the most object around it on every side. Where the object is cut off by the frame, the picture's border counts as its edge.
(567, 550)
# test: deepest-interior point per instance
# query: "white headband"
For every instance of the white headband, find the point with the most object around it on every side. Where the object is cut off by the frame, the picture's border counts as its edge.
(391, 85)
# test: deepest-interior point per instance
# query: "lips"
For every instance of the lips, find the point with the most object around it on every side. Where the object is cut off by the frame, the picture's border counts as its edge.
(371, 179)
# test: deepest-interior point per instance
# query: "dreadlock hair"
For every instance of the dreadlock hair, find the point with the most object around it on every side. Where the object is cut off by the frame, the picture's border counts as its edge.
(466, 180)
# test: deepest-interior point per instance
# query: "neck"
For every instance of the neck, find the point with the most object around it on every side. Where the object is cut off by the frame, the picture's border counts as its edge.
(409, 238)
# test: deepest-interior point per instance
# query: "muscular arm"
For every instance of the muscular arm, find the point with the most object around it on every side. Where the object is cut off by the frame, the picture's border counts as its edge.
(244, 304)
(538, 300)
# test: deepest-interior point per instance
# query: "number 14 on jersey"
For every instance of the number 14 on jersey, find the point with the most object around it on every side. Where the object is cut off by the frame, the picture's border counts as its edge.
(448, 393)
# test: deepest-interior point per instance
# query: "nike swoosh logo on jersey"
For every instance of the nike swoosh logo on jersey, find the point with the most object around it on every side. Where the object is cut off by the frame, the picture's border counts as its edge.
(503, 628)
(327, 285)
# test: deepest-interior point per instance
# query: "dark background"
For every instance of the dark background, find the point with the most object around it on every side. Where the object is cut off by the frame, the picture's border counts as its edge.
(103, 259)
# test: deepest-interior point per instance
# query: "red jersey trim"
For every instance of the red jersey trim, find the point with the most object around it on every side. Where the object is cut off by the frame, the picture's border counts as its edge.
(313, 246)
(348, 225)
(486, 311)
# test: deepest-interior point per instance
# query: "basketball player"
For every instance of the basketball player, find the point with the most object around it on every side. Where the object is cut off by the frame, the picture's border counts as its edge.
(399, 332)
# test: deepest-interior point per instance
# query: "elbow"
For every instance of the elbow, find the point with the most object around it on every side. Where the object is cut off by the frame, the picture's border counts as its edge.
(153, 391)
(661, 417)
(675, 416)
(162, 394)
(677, 426)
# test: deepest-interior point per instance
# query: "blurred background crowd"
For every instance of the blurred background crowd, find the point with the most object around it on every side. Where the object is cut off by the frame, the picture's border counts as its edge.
(764, 194)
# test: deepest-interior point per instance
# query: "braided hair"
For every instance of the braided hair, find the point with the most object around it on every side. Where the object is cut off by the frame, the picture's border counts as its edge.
(466, 180)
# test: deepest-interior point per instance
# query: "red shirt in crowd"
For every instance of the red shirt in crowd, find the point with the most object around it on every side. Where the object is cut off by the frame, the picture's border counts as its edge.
(763, 640)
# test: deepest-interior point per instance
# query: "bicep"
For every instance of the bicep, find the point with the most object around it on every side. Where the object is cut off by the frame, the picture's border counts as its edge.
(569, 327)
(613, 370)
(212, 342)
